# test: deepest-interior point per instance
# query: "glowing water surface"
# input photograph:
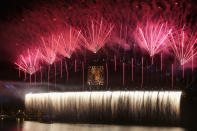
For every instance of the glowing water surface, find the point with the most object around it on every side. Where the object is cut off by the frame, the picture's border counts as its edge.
(37, 126)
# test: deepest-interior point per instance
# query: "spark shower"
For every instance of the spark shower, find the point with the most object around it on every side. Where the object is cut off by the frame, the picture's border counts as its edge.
(96, 105)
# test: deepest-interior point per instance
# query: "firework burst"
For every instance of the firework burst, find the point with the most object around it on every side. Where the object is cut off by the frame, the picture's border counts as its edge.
(97, 35)
(152, 37)
(49, 49)
(29, 62)
(68, 42)
(184, 46)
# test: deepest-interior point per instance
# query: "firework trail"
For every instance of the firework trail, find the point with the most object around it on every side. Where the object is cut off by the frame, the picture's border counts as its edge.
(132, 69)
(29, 62)
(49, 52)
(19, 72)
(97, 34)
(172, 76)
(68, 41)
(123, 73)
(66, 66)
(115, 63)
(75, 65)
(184, 46)
(83, 74)
(152, 37)
(40, 74)
(107, 74)
(61, 68)
(121, 37)
(49, 49)
(142, 72)
(161, 62)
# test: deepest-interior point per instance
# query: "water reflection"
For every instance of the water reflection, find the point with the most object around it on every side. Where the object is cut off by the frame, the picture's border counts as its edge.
(37, 126)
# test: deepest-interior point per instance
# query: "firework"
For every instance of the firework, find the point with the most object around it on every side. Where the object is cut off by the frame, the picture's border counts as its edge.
(142, 72)
(59, 34)
(49, 52)
(97, 35)
(83, 74)
(29, 62)
(123, 73)
(66, 66)
(172, 76)
(115, 63)
(68, 42)
(183, 45)
(107, 74)
(61, 68)
(40, 74)
(132, 69)
(123, 36)
(152, 37)
(49, 49)
(138, 105)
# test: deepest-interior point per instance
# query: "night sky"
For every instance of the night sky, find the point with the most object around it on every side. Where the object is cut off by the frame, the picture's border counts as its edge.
(12, 11)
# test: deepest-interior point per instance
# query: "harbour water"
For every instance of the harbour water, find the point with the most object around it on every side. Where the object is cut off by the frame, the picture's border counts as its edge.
(37, 126)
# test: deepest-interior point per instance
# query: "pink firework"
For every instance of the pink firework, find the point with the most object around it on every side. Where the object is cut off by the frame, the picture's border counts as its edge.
(97, 34)
(68, 42)
(49, 49)
(122, 36)
(183, 45)
(29, 62)
(152, 37)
